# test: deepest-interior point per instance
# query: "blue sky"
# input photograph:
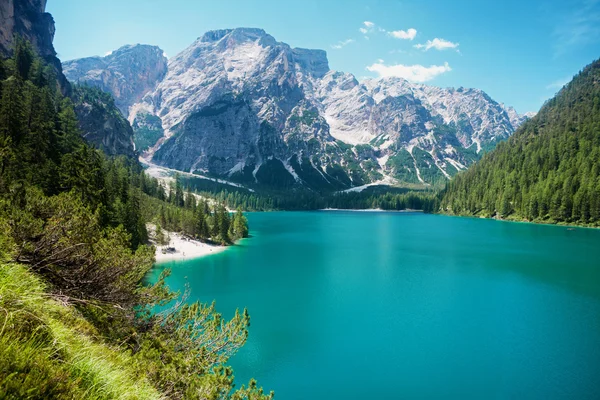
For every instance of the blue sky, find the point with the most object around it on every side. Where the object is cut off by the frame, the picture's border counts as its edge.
(519, 52)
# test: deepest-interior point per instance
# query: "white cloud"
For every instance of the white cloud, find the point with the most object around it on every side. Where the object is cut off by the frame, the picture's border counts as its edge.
(438, 44)
(414, 73)
(108, 53)
(380, 61)
(578, 27)
(368, 27)
(342, 43)
(408, 34)
(558, 84)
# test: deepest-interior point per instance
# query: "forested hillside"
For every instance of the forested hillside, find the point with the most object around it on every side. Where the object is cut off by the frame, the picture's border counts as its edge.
(549, 171)
(377, 196)
(75, 319)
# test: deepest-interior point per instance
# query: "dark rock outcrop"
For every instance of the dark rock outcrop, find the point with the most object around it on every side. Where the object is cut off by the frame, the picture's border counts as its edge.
(29, 19)
(101, 122)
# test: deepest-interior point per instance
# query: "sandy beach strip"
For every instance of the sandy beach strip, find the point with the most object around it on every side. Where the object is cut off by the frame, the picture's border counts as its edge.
(185, 249)
(408, 210)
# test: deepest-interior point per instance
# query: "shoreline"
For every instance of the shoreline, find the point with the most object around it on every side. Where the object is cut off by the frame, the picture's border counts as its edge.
(183, 248)
(522, 221)
(408, 210)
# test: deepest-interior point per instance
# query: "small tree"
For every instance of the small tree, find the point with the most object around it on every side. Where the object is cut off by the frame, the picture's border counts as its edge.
(202, 230)
(239, 227)
(224, 222)
(162, 238)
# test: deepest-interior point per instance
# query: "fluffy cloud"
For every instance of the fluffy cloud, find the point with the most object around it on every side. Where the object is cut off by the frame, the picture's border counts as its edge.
(408, 34)
(367, 27)
(414, 73)
(438, 44)
(342, 43)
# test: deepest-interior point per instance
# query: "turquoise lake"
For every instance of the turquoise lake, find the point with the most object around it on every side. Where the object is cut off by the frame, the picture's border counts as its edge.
(369, 305)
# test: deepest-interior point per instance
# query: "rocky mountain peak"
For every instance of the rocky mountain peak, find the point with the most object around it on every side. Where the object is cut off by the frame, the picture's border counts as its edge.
(133, 50)
(515, 118)
(240, 34)
(314, 62)
(214, 36)
(251, 43)
(128, 72)
(241, 105)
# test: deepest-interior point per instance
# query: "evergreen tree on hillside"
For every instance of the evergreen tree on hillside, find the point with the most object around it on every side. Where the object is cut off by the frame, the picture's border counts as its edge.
(239, 226)
(202, 229)
(77, 320)
(222, 222)
(23, 58)
(177, 197)
(548, 171)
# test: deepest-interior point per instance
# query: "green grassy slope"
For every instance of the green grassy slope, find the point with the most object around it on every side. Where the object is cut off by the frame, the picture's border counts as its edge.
(48, 350)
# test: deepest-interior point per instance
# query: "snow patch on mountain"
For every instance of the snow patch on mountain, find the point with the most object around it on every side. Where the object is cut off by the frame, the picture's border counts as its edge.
(237, 100)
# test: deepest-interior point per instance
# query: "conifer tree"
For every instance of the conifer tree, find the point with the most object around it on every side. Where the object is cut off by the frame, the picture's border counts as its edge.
(202, 230)
(239, 227)
(549, 170)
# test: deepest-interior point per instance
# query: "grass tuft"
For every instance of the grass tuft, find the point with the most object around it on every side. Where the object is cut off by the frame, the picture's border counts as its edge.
(48, 350)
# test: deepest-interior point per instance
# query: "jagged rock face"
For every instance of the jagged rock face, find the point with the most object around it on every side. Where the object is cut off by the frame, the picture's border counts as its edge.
(452, 126)
(28, 19)
(233, 104)
(209, 137)
(233, 62)
(239, 104)
(128, 73)
(101, 122)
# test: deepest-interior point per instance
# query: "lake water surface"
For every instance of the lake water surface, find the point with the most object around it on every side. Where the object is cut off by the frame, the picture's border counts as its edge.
(357, 305)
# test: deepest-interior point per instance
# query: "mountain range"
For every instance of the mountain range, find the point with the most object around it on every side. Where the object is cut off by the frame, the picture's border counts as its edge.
(237, 104)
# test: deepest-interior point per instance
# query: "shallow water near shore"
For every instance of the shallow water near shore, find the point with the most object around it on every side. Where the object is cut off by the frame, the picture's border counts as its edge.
(408, 305)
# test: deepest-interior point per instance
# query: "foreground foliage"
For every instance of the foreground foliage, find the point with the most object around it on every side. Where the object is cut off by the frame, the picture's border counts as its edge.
(549, 171)
(76, 321)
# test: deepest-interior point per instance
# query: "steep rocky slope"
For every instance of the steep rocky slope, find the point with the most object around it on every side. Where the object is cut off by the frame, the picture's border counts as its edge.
(239, 104)
(128, 73)
(101, 122)
(29, 19)
(98, 121)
